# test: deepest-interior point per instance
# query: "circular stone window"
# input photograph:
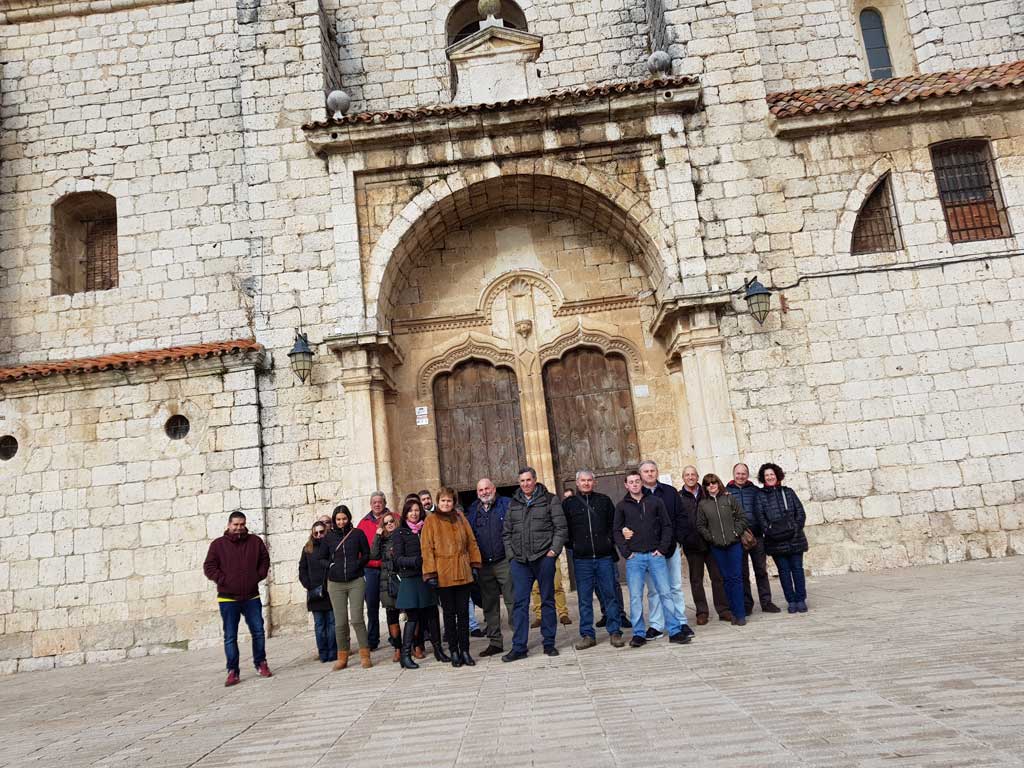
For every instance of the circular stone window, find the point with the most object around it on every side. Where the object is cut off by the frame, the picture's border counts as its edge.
(8, 447)
(177, 427)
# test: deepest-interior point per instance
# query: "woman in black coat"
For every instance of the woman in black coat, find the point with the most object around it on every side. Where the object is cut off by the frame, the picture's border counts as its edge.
(415, 596)
(313, 576)
(781, 516)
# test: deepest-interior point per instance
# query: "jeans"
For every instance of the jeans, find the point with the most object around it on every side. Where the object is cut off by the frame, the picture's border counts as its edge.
(640, 566)
(542, 571)
(730, 565)
(326, 641)
(372, 576)
(455, 604)
(230, 614)
(599, 572)
(474, 625)
(347, 599)
(561, 606)
(495, 586)
(764, 586)
(674, 567)
(791, 574)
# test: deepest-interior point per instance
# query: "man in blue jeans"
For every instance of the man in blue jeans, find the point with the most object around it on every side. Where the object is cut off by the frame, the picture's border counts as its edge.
(644, 532)
(590, 517)
(533, 533)
(237, 562)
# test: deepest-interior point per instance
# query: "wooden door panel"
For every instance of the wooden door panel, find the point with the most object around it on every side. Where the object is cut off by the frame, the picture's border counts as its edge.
(590, 418)
(479, 427)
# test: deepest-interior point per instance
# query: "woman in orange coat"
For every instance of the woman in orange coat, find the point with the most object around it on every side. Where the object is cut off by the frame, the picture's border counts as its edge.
(451, 560)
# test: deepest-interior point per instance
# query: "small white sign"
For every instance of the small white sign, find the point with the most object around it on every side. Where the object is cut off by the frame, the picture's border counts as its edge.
(641, 390)
(422, 421)
(421, 410)
(665, 478)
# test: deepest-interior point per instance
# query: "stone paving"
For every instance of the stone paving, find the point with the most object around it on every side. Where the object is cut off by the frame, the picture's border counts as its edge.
(914, 667)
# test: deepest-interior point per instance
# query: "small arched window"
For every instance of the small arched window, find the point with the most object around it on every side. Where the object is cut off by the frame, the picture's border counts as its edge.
(464, 19)
(84, 243)
(877, 228)
(876, 46)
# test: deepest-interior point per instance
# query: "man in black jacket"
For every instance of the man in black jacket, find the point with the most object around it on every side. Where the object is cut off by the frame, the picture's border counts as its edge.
(590, 517)
(534, 534)
(643, 533)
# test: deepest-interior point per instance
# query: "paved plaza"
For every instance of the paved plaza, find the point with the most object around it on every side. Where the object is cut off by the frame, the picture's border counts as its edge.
(913, 667)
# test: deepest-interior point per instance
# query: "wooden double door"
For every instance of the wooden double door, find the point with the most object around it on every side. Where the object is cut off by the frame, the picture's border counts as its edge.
(590, 422)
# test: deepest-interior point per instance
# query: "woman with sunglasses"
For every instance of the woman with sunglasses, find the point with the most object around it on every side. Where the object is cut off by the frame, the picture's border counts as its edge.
(313, 576)
(382, 549)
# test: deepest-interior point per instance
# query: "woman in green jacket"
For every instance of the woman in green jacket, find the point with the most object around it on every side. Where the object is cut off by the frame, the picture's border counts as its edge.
(721, 521)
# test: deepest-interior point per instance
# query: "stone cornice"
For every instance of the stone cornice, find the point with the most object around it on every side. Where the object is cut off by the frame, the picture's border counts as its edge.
(551, 116)
(142, 374)
(22, 11)
(909, 112)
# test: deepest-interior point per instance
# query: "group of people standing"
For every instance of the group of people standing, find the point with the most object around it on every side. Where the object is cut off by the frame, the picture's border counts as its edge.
(433, 554)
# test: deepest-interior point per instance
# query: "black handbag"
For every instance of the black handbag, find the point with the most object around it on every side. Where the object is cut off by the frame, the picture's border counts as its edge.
(393, 585)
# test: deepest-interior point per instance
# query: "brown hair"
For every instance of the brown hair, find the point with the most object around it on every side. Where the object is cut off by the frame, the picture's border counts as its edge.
(446, 491)
(710, 478)
(309, 542)
(412, 501)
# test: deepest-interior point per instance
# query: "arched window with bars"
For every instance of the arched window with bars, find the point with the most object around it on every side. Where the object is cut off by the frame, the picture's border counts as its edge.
(877, 228)
(84, 243)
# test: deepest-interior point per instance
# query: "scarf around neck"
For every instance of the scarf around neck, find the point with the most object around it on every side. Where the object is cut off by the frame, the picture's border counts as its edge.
(415, 527)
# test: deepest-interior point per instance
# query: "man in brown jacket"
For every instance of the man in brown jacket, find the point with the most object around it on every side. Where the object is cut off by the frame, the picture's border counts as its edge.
(237, 562)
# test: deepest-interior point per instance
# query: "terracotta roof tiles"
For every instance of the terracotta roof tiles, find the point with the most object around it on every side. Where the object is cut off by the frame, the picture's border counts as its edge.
(126, 360)
(896, 90)
(449, 110)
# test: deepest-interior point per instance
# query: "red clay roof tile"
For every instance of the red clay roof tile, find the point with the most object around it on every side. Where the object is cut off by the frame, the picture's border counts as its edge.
(127, 360)
(896, 90)
(448, 110)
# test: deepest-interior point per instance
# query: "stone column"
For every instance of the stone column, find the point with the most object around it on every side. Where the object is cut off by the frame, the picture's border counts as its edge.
(366, 363)
(702, 387)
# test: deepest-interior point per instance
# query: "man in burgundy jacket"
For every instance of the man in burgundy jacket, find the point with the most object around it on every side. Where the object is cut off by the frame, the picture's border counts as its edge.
(237, 562)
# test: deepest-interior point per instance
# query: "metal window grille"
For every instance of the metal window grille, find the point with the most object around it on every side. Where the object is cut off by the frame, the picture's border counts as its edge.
(877, 228)
(971, 202)
(101, 255)
(177, 427)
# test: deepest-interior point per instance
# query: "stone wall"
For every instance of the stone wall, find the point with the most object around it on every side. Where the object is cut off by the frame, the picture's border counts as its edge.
(394, 57)
(949, 34)
(144, 105)
(105, 520)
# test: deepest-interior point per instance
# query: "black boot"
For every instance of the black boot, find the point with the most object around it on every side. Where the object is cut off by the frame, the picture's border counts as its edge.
(456, 657)
(468, 660)
(407, 640)
(434, 632)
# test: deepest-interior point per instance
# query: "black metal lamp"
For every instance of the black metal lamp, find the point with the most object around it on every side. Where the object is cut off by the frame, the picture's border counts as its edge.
(301, 357)
(758, 299)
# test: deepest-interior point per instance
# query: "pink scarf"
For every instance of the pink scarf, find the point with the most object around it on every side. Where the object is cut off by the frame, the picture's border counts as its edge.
(415, 527)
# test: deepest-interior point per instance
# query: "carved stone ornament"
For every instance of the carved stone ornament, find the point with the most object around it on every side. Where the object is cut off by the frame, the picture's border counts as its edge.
(523, 327)
(592, 337)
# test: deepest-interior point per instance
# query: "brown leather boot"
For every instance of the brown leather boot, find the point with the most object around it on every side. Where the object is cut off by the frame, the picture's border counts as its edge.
(342, 661)
(364, 658)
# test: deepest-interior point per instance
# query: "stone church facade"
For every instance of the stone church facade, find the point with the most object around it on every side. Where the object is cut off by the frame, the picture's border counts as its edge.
(525, 241)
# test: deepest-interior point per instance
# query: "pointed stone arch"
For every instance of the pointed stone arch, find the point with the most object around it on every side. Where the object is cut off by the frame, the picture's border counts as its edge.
(855, 200)
(586, 334)
(541, 184)
(471, 346)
